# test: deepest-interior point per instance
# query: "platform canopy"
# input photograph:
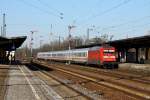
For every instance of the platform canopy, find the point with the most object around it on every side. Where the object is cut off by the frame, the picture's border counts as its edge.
(9, 44)
(135, 42)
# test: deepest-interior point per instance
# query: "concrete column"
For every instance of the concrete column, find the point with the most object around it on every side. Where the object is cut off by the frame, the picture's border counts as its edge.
(146, 54)
(137, 54)
(126, 51)
(123, 54)
(119, 55)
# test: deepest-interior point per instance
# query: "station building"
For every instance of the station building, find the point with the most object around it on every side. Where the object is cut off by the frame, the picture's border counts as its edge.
(133, 50)
(8, 47)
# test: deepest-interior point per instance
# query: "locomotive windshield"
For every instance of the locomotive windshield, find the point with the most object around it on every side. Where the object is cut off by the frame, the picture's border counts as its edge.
(109, 52)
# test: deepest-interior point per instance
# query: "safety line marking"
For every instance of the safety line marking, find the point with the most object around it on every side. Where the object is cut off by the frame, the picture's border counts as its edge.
(31, 86)
(49, 90)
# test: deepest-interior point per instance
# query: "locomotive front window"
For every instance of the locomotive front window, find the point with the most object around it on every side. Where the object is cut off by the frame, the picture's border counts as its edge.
(109, 52)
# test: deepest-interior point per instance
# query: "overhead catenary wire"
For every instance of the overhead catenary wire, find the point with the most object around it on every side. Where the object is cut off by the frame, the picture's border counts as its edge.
(137, 26)
(100, 14)
(125, 23)
(48, 6)
(38, 8)
(134, 28)
(105, 11)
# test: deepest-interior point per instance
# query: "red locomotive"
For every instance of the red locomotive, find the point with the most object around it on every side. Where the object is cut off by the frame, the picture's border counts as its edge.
(100, 55)
(103, 56)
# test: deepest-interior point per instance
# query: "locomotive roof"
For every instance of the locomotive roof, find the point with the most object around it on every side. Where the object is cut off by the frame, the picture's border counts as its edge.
(66, 51)
(95, 48)
(82, 49)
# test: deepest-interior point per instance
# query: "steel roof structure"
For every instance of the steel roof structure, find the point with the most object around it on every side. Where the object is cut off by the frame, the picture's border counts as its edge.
(9, 44)
(135, 42)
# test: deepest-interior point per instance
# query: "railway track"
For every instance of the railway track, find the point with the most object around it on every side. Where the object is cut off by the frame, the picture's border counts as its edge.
(133, 91)
(80, 92)
(136, 83)
(119, 74)
(114, 75)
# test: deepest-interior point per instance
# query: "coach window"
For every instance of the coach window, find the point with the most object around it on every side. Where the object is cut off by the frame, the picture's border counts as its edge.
(73, 55)
(79, 54)
(53, 54)
(82, 54)
(76, 54)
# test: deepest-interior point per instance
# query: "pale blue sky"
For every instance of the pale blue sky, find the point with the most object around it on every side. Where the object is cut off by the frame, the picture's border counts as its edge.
(117, 17)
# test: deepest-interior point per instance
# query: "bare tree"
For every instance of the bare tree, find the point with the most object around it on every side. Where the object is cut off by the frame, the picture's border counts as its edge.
(57, 45)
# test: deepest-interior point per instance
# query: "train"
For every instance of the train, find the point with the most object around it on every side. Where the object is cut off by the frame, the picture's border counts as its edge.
(102, 56)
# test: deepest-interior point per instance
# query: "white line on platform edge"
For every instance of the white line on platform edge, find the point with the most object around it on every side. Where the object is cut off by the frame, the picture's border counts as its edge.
(49, 90)
(31, 86)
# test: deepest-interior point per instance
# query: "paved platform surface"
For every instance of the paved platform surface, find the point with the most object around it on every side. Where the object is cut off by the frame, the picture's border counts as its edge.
(23, 85)
(135, 66)
(3, 76)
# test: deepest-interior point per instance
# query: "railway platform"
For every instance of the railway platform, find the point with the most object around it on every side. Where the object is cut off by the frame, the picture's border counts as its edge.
(140, 67)
(23, 83)
(3, 76)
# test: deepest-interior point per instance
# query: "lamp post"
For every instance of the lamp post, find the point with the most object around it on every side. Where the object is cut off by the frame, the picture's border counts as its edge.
(70, 27)
(41, 42)
(51, 33)
(31, 44)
